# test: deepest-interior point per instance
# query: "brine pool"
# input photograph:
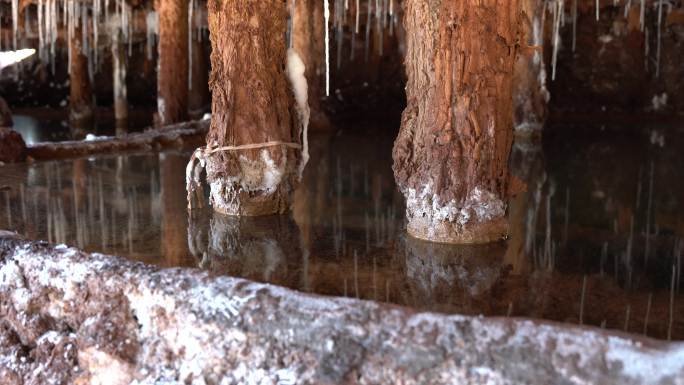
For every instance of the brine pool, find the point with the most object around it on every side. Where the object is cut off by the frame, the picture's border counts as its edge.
(596, 239)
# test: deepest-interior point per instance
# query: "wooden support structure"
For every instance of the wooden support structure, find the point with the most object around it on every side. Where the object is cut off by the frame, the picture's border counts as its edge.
(451, 155)
(252, 105)
(81, 91)
(172, 74)
(119, 69)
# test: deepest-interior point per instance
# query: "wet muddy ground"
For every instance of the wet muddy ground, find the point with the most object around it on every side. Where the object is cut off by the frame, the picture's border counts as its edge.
(595, 239)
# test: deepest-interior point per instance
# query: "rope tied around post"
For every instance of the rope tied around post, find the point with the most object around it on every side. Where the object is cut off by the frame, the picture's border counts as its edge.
(198, 162)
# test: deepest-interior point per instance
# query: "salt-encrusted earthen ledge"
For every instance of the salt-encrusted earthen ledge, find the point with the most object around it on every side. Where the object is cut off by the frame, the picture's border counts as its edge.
(72, 317)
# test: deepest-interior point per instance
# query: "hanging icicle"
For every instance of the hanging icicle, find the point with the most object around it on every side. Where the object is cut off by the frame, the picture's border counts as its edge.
(326, 15)
(15, 23)
(646, 48)
(368, 30)
(574, 25)
(152, 26)
(41, 35)
(27, 23)
(562, 17)
(391, 18)
(353, 47)
(339, 10)
(64, 12)
(378, 25)
(658, 38)
(291, 25)
(70, 33)
(52, 27)
(96, 33)
(191, 8)
(358, 14)
(556, 35)
(200, 20)
(84, 30)
(127, 12)
(627, 7)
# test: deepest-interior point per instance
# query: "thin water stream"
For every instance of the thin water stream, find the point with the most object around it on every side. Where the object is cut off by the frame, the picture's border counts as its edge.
(595, 238)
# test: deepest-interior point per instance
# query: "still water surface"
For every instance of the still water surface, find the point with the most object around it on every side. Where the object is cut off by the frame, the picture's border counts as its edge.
(595, 239)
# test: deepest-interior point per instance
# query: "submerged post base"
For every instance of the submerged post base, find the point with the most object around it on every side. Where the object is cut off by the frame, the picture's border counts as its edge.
(230, 199)
(452, 232)
(529, 129)
(244, 186)
(479, 218)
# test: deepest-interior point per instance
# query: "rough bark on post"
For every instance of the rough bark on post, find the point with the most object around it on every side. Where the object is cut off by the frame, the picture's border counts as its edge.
(451, 155)
(530, 95)
(252, 105)
(119, 69)
(81, 92)
(172, 76)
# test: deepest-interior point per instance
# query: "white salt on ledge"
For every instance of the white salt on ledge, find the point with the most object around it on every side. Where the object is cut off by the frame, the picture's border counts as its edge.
(132, 323)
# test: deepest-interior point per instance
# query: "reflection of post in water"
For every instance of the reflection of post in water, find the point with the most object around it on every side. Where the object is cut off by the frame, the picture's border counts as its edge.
(173, 208)
(265, 248)
(527, 165)
(198, 235)
(121, 126)
(79, 179)
(311, 199)
(453, 278)
(302, 211)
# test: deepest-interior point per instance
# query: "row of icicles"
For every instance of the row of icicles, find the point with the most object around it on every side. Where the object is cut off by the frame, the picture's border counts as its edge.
(89, 19)
(557, 10)
(75, 15)
(119, 18)
(345, 15)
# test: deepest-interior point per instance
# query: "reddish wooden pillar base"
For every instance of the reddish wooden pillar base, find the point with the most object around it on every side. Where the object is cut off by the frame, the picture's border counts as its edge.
(444, 231)
(264, 186)
(451, 155)
(253, 106)
(481, 218)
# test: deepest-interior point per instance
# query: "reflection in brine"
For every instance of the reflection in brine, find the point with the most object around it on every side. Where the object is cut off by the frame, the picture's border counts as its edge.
(585, 246)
